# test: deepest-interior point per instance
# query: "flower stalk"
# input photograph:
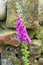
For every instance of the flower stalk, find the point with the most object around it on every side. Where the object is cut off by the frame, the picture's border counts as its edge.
(25, 54)
(23, 37)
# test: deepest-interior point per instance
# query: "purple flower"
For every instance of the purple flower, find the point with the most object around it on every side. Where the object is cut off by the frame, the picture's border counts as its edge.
(21, 32)
(28, 39)
(19, 24)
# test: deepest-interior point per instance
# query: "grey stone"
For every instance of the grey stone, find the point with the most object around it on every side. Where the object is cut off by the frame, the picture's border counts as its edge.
(40, 8)
(11, 14)
(6, 62)
(35, 48)
(9, 58)
(28, 11)
(3, 4)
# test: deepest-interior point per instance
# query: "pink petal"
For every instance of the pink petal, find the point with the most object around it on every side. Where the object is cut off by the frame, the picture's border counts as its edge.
(28, 39)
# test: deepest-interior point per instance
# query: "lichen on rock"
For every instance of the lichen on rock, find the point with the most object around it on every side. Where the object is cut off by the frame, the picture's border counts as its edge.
(11, 13)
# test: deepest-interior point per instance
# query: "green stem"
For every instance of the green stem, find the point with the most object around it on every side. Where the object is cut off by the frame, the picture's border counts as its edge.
(25, 53)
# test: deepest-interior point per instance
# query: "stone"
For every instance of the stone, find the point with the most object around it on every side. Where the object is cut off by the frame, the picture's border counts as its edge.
(2, 48)
(42, 45)
(3, 5)
(40, 34)
(9, 58)
(33, 32)
(35, 48)
(11, 14)
(28, 11)
(40, 10)
(8, 37)
(40, 61)
(6, 62)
